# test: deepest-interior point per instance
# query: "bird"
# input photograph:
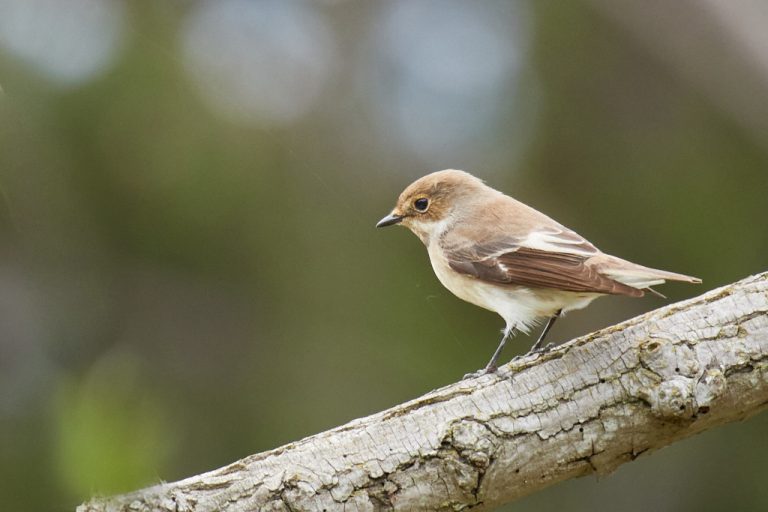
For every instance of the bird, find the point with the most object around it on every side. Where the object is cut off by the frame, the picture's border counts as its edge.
(504, 256)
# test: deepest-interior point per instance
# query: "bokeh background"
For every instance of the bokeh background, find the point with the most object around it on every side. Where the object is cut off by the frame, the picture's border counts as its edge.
(189, 271)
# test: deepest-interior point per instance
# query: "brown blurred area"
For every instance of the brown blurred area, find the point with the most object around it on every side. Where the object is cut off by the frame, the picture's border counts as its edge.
(189, 271)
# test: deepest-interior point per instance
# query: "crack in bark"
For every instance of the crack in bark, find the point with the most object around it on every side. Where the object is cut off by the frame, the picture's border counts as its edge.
(429, 400)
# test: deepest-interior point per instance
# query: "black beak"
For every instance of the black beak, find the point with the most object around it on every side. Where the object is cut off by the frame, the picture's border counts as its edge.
(389, 220)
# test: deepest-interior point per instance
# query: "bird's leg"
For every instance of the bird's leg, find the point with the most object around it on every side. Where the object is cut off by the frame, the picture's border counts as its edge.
(537, 346)
(491, 366)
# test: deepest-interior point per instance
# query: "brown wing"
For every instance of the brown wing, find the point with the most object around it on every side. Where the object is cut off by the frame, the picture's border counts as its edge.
(543, 269)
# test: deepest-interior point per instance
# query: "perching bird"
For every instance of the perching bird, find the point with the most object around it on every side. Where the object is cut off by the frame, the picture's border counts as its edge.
(500, 254)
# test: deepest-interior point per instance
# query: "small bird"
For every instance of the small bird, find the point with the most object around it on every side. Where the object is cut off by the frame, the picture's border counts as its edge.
(502, 255)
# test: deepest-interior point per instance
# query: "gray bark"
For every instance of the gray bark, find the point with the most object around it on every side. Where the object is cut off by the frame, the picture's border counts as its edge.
(585, 407)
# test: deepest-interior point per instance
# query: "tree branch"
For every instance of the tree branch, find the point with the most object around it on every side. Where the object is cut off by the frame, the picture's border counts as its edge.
(585, 407)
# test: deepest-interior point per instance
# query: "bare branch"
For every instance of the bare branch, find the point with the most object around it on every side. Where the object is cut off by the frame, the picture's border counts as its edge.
(586, 407)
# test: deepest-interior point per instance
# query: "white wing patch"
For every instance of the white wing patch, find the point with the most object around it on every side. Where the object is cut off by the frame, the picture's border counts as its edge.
(564, 241)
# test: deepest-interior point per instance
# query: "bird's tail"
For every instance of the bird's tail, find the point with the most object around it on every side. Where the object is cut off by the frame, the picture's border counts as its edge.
(638, 276)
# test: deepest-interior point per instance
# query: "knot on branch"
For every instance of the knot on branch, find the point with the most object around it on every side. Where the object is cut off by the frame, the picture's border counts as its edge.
(473, 441)
(679, 388)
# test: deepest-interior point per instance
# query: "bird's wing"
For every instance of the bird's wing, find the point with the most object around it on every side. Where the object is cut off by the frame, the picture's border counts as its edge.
(551, 258)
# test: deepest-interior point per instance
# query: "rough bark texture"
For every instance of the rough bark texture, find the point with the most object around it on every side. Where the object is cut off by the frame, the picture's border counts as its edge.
(585, 407)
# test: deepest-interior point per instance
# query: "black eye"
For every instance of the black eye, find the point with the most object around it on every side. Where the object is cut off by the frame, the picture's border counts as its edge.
(421, 204)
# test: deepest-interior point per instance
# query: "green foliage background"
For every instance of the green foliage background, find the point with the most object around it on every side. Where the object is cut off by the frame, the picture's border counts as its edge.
(179, 291)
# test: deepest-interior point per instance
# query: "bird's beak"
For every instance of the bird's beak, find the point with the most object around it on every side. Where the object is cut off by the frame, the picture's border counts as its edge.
(389, 220)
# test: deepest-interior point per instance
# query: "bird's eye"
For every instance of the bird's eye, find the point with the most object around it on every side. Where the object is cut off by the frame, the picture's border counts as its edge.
(421, 204)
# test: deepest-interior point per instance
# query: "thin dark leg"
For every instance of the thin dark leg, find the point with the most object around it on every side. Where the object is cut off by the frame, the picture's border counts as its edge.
(536, 346)
(491, 366)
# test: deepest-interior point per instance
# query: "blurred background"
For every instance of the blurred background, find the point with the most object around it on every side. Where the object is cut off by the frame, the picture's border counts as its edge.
(189, 271)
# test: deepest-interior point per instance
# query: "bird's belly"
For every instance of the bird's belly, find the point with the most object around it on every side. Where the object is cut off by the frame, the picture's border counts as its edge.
(520, 307)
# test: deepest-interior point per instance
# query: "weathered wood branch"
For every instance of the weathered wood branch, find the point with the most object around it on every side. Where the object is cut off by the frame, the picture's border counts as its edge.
(585, 407)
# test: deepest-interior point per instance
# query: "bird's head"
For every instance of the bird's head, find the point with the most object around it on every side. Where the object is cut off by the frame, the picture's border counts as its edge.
(428, 204)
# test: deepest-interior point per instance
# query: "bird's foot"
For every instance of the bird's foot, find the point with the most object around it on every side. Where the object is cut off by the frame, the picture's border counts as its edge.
(543, 350)
(480, 373)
